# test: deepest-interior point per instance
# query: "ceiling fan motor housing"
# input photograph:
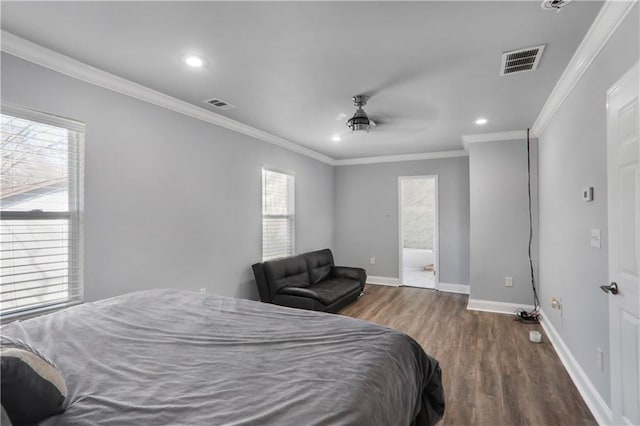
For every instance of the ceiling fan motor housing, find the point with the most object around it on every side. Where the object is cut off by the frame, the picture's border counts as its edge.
(360, 120)
(360, 100)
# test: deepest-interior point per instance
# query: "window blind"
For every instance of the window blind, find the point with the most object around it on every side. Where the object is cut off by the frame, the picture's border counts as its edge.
(278, 214)
(40, 207)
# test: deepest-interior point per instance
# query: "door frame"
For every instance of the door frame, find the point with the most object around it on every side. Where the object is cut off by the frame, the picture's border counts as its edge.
(436, 233)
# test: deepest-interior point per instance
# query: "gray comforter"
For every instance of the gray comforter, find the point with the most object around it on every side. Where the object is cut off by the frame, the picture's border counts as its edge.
(166, 357)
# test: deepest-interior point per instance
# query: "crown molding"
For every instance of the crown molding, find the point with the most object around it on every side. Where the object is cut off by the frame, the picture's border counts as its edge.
(493, 137)
(401, 157)
(607, 21)
(63, 64)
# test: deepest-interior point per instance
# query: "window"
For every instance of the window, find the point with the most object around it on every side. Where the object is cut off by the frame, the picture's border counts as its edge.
(40, 211)
(278, 215)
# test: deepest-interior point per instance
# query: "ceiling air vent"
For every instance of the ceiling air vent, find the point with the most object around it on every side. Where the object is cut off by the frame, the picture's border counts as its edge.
(521, 60)
(219, 103)
(554, 4)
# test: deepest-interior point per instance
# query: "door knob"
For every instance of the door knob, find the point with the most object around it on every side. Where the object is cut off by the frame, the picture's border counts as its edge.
(612, 288)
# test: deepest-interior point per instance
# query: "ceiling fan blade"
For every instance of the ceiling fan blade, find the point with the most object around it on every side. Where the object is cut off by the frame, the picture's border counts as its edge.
(396, 80)
(414, 130)
(396, 122)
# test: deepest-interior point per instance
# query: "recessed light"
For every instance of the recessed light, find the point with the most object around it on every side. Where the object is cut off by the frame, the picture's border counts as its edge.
(481, 121)
(193, 61)
(336, 138)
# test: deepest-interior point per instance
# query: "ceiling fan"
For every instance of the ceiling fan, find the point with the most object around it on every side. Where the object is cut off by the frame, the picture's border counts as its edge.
(361, 121)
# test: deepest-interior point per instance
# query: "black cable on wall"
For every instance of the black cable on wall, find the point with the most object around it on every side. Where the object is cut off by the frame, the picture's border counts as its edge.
(534, 315)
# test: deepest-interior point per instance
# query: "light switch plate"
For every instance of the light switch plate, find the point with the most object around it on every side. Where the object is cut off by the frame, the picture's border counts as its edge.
(595, 238)
(587, 193)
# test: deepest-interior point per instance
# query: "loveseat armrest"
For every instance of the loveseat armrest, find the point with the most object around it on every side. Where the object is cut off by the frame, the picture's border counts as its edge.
(261, 282)
(357, 274)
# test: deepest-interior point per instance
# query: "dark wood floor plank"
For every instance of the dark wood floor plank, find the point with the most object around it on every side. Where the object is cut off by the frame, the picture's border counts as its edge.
(492, 373)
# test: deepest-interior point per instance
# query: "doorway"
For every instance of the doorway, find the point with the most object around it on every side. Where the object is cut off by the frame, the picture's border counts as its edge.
(418, 223)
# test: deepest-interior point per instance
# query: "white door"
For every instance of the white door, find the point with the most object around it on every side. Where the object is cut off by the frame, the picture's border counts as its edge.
(623, 175)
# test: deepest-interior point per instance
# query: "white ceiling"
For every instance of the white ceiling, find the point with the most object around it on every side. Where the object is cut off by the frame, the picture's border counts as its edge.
(291, 68)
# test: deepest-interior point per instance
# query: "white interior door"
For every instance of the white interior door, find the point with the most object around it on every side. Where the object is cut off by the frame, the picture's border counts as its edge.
(623, 173)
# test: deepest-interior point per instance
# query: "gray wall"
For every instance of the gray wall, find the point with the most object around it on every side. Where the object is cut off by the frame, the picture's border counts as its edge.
(170, 201)
(572, 156)
(366, 215)
(500, 220)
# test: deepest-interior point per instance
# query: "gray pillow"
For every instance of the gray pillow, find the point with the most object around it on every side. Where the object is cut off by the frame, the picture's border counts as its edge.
(32, 386)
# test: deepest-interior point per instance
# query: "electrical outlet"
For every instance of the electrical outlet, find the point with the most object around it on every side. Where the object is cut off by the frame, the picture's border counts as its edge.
(372, 260)
(203, 290)
(600, 359)
(508, 282)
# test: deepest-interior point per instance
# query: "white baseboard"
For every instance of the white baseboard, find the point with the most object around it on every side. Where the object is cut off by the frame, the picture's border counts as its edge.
(454, 288)
(497, 307)
(395, 282)
(590, 394)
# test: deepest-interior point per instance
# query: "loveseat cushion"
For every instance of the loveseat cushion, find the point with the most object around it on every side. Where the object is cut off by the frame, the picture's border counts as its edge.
(319, 264)
(357, 274)
(287, 272)
(326, 292)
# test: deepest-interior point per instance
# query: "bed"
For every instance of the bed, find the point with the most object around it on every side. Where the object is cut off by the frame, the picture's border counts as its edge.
(168, 357)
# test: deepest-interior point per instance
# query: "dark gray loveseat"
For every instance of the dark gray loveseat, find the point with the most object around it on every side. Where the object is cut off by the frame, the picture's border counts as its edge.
(309, 281)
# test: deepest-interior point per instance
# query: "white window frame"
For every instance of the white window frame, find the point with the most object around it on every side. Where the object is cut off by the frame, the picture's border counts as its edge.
(291, 217)
(74, 214)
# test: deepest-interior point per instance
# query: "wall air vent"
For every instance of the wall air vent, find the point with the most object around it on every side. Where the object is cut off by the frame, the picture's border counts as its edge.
(521, 60)
(219, 103)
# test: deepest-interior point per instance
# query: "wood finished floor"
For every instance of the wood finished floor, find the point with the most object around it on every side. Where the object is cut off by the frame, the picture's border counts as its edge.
(492, 374)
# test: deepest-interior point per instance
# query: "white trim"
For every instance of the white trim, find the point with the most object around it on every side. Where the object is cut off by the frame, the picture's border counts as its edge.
(493, 137)
(58, 62)
(454, 288)
(605, 24)
(48, 58)
(383, 281)
(609, 18)
(74, 213)
(402, 157)
(497, 307)
(278, 170)
(290, 216)
(627, 75)
(436, 235)
(588, 391)
(400, 232)
(42, 117)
